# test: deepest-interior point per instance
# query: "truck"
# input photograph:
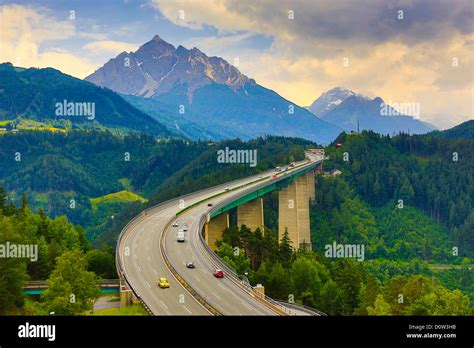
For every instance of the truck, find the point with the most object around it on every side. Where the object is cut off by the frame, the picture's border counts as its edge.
(180, 236)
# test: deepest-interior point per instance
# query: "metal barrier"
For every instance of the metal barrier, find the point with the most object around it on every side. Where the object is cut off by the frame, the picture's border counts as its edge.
(120, 271)
(281, 305)
(213, 257)
(302, 308)
(180, 279)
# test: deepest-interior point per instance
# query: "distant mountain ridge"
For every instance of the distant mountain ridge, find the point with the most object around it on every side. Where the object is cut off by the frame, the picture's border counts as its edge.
(331, 99)
(352, 112)
(207, 91)
(157, 67)
(37, 93)
(464, 130)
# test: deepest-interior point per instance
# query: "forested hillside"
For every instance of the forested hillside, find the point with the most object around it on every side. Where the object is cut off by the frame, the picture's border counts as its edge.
(407, 199)
(100, 180)
(463, 131)
(63, 257)
(379, 202)
(431, 174)
(61, 173)
(340, 287)
(34, 94)
(205, 171)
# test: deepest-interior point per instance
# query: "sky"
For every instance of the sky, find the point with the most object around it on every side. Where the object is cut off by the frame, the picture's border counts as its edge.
(405, 51)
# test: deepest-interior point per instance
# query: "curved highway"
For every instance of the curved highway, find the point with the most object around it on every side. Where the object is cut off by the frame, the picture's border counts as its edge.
(147, 249)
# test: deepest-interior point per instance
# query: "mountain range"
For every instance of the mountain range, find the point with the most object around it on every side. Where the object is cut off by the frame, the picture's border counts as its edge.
(168, 91)
(352, 112)
(207, 92)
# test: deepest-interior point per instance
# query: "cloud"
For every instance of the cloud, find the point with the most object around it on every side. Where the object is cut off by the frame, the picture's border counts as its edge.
(404, 60)
(110, 47)
(25, 29)
(371, 21)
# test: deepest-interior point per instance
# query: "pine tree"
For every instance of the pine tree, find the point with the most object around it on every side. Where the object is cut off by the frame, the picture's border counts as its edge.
(3, 199)
(285, 249)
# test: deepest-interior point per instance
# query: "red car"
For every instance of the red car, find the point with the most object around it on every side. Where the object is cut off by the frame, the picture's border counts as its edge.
(218, 273)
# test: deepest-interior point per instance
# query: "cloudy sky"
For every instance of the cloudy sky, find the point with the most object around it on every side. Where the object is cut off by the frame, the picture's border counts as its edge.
(405, 51)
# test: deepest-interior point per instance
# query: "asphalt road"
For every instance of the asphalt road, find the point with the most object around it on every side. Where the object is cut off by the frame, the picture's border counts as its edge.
(143, 262)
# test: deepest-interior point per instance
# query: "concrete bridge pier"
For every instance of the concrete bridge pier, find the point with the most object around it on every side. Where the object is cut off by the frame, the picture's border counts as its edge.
(213, 229)
(126, 295)
(250, 214)
(293, 212)
(310, 176)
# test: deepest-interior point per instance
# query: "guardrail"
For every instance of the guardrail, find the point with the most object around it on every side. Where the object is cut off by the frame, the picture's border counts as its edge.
(41, 284)
(274, 305)
(180, 279)
(277, 306)
(120, 271)
(232, 274)
(301, 307)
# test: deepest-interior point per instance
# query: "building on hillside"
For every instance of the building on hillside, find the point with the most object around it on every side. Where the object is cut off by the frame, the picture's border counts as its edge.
(334, 172)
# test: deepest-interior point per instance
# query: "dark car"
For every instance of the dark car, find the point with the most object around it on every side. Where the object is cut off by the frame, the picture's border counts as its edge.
(209, 204)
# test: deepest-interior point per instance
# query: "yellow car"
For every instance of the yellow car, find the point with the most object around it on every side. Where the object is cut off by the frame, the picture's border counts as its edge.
(163, 283)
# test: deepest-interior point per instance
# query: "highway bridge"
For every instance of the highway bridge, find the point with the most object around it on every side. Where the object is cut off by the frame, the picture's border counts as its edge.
(37, 287)
(147, 247)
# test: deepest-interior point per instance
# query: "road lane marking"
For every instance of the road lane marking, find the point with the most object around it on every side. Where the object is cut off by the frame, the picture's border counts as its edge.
(197, 279)
(222, 287)
(149, 258)
(216, 295)
(154, 270)
(246, 305)
(187, 309)
(148, 284)
(164, 306)
(139, 269)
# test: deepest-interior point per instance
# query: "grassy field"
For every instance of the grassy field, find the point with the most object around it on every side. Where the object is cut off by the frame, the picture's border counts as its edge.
(26, 124)
(123, 196)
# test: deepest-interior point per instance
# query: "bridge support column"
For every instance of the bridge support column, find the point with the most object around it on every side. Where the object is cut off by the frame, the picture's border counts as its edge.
(214, 228)
(311, 186)
(125, 296)
(250, 214)
(293, 213)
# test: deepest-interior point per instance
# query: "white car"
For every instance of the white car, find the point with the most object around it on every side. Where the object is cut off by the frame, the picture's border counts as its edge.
(190, 264)
(180, 236)
(185, 228)
(227, 189)
(176, 223)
